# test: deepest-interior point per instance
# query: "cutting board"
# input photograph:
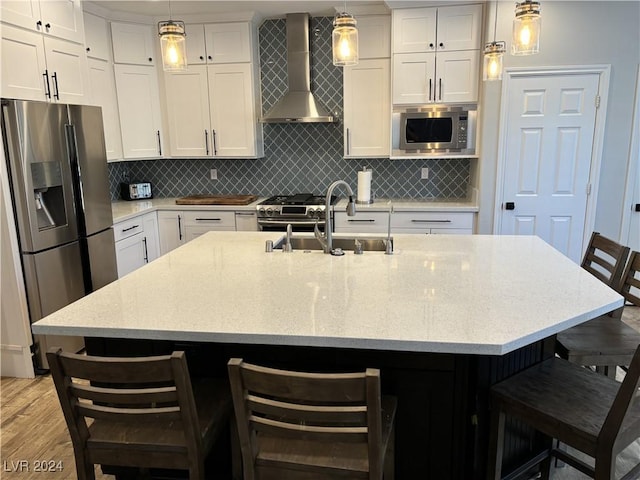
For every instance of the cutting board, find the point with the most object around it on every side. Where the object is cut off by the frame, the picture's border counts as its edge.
(217, 200)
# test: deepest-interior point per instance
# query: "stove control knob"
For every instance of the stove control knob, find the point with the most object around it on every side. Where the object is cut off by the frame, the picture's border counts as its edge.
(311, 212)
(269, 211)
(261, 211)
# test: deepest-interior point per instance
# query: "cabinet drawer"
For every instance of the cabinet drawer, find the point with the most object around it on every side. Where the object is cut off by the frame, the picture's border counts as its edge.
(422, 220)
(128, 228)
(216, 220)
(362, 222)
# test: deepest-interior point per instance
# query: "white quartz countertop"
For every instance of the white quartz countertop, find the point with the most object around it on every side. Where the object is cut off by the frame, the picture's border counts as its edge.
(124, 210)
(464, 294)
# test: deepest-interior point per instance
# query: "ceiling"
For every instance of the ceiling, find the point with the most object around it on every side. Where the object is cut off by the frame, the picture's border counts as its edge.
(265, 8)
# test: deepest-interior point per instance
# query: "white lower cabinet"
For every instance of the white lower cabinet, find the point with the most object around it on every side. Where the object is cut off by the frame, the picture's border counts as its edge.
(178, 227)
(136, 242)
(247, 221)
(452, 223)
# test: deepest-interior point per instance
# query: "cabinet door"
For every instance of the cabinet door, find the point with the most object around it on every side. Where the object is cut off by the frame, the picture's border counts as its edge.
(459, 27)
(231, 101)
(151, 236)
(22, 13)
(367, 109)
(188, 112)
(246, 221)
(196, 51)
(457, 76)
(414, 78)
(414, 30)
(130, 254)
(132, 43)
(103, 94)
(63, 19)
(23, 48)
(96, 37)
(139, 107)
(228, 42)
(374, 36)
(170, 230)
(68, 69)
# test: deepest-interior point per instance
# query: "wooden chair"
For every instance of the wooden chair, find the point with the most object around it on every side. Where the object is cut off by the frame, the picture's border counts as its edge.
(605, 342)
(605, 259)
(146, 414)
(587, 411)
(312, 426)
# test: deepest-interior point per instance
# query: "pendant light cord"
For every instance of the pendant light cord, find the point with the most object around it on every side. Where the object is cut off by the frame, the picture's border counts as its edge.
(495, 23)
(170, 15)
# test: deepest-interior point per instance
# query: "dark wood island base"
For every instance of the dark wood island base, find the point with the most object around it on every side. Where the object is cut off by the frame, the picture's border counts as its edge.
(443, 412)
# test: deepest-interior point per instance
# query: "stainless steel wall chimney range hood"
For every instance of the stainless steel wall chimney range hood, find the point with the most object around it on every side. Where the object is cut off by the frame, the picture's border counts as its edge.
(298, 105)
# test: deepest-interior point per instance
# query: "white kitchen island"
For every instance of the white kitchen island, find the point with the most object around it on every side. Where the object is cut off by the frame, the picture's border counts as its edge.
(443, 317)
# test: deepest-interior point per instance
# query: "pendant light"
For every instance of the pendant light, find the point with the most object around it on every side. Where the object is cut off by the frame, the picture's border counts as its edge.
(344, 39)
(493, 54)
(526, 28)
(172, 43)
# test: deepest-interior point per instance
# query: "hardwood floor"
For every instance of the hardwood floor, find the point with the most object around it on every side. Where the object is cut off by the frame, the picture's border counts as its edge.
(35, 443)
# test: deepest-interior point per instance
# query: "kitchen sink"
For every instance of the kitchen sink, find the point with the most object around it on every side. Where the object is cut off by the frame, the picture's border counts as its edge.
(368, 244)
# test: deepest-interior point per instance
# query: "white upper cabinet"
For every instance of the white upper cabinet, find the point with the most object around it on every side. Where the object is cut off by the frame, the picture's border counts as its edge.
(436, 54)
(228, 42)
(103, 94)
(212, 108)
(218, 43)
(437, 28)
(58, 18)
(97, 37)
(374, 36)
(139, 108)
(414, 30)
(367, 111)
(133, 43)
(232, 110)
(36, 67)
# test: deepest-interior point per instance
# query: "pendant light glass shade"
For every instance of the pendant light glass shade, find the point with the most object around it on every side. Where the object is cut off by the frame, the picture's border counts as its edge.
(493, 54)
(526, 28)
(173, 45)
(344, 40)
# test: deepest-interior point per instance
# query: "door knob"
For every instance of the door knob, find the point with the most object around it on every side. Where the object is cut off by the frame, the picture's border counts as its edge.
(509, 206)
(637, 207)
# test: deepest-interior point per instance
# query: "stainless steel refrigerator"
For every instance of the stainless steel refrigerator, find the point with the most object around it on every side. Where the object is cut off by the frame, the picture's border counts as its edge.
(60, 190)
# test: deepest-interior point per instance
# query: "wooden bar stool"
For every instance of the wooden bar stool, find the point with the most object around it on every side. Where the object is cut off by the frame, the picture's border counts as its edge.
(605, 342)
(587, 411)
(312, 426)
(146, 415)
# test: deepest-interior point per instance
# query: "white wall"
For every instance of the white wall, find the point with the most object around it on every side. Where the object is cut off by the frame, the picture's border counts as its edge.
(573, 33)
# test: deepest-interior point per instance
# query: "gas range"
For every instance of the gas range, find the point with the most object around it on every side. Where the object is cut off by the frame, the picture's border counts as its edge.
(301, 211)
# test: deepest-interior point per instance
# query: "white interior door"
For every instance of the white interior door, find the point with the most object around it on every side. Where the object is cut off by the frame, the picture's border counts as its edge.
(630, 231)
(547, 137)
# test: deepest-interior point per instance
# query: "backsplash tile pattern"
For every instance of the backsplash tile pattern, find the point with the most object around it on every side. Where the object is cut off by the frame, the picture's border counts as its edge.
(298, 157)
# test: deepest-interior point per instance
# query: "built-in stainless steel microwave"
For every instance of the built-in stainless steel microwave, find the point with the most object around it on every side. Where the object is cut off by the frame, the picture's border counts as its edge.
(444, 129)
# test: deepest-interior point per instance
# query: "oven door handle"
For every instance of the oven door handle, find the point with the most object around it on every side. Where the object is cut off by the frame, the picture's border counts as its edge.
(287, 222)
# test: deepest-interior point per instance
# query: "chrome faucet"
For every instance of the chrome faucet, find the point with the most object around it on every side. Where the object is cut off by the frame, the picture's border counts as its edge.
(326, 240)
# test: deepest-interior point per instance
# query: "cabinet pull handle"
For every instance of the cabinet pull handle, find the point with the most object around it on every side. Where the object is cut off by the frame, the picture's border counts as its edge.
(348, 142)
(430, 89)
(363, 220)
(206, 141)
(440, 87)
(441, 45)
(430, 221)
(54, 77)
(47, 26)
(150, 59)
(201, 57)
(210, 57)
(179, 227)
(39, 24)
(159, 143)
(130, 228)
(47, 87)
(245, 214)
(431, 45)
(88, 49)
(215, 143)
(204, 219)
(146, 252)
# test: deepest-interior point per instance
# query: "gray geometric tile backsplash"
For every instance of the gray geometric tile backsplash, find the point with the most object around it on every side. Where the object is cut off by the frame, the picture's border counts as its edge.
(303, 157)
